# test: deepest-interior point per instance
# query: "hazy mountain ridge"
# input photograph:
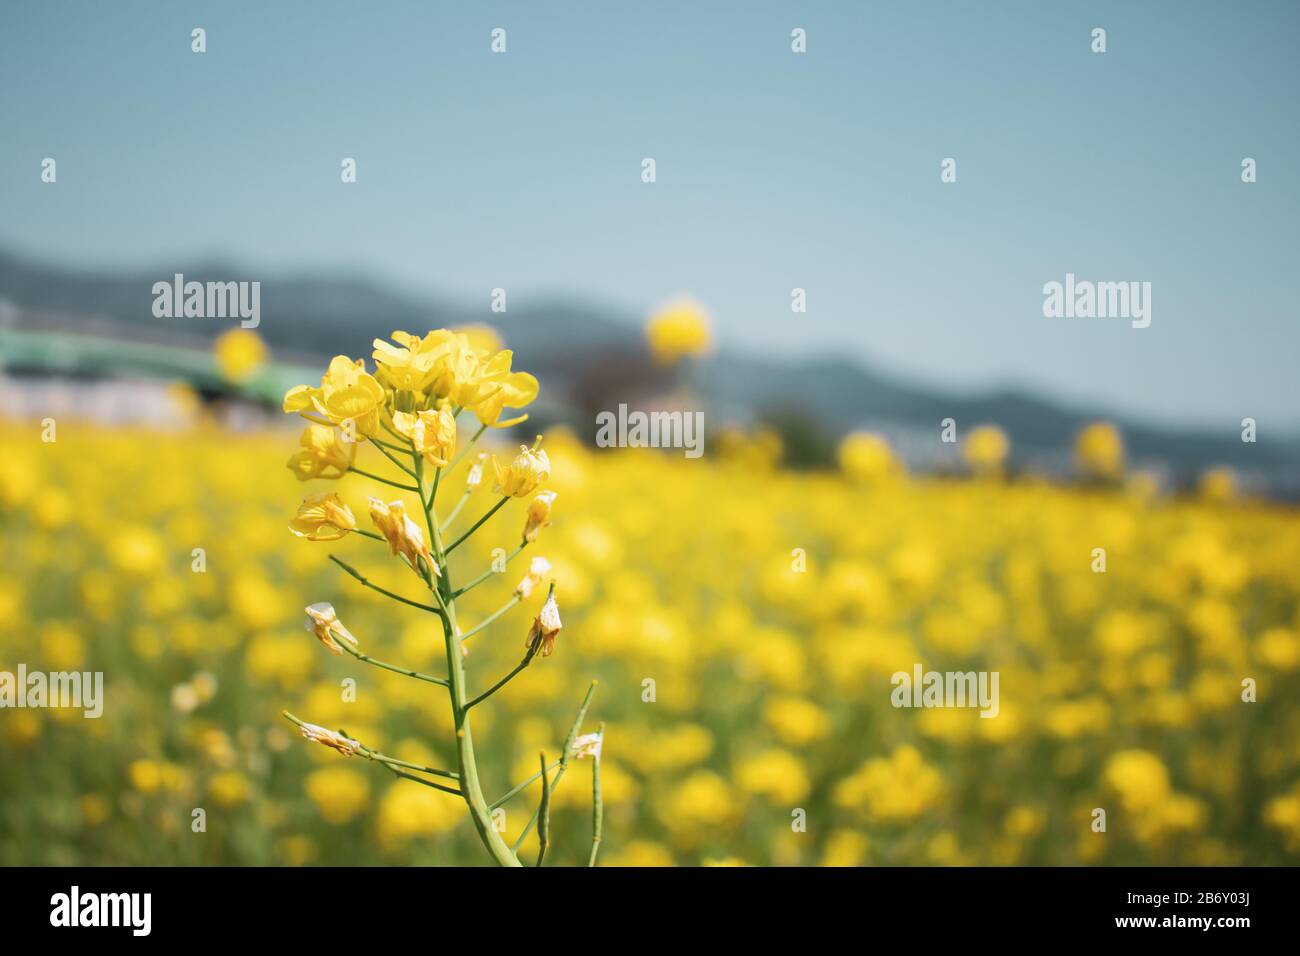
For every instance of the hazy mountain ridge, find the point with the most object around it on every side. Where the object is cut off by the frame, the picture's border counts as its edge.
(313, 317)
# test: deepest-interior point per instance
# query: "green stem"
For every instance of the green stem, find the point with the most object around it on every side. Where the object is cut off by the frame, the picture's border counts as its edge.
(465, 451)
(489, 572)
(390, 762)
(389, 445)
(405, 672)
(564, 760)
(374, 477)
(544, 815)
(471, 788)
(528, 827)
(528, 659)
(384, 758)
(597, 803)
(488, 620)
(428, 783)
(375, 587)
(477, 524)
(519, 789)
(455, 512)
(382, 448)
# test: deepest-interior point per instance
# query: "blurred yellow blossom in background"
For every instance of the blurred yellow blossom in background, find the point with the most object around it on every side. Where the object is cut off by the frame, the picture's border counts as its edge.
(679, 329)
(239, 354)
(738, 684)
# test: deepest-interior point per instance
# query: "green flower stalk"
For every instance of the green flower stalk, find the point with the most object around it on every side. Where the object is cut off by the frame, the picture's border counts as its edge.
(416, 397)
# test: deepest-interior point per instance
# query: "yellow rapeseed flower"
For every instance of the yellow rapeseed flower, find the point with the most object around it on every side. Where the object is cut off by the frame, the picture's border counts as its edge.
(412, 364)
(431, 432)
(325, 453)
(539, 514)
(521, 477)
(323, 517)
(403, 535)
(347, 393)
(513, 390)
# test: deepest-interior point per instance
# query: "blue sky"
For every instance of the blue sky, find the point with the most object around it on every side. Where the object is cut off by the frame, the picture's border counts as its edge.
(775, 170)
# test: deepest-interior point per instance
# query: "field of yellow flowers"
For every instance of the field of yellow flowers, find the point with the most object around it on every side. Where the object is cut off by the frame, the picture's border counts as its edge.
(743, 622)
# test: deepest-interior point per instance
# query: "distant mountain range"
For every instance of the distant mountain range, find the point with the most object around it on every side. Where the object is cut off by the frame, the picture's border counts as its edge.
(587, 356)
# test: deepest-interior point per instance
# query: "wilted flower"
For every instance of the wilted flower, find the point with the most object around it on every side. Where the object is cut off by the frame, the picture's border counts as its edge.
(325, 624)
(522, 476)
(546, 627)
(539, 514)
(588, 745)
(323, 517)
(538, 568)
(344, 745)
(402, 534)
(475, 476)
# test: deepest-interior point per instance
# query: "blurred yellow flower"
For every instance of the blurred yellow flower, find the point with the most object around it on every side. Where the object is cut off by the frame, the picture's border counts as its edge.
(776, 774)
(1099, 452)
(678, 329)
(340, 793)
(406, 812)
(845, 848)
(985, 449)
(229, 788)
(867, 458)
(239, 353)
(701, 800)
(796, 721)
(1218, 485)
(893, 789)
